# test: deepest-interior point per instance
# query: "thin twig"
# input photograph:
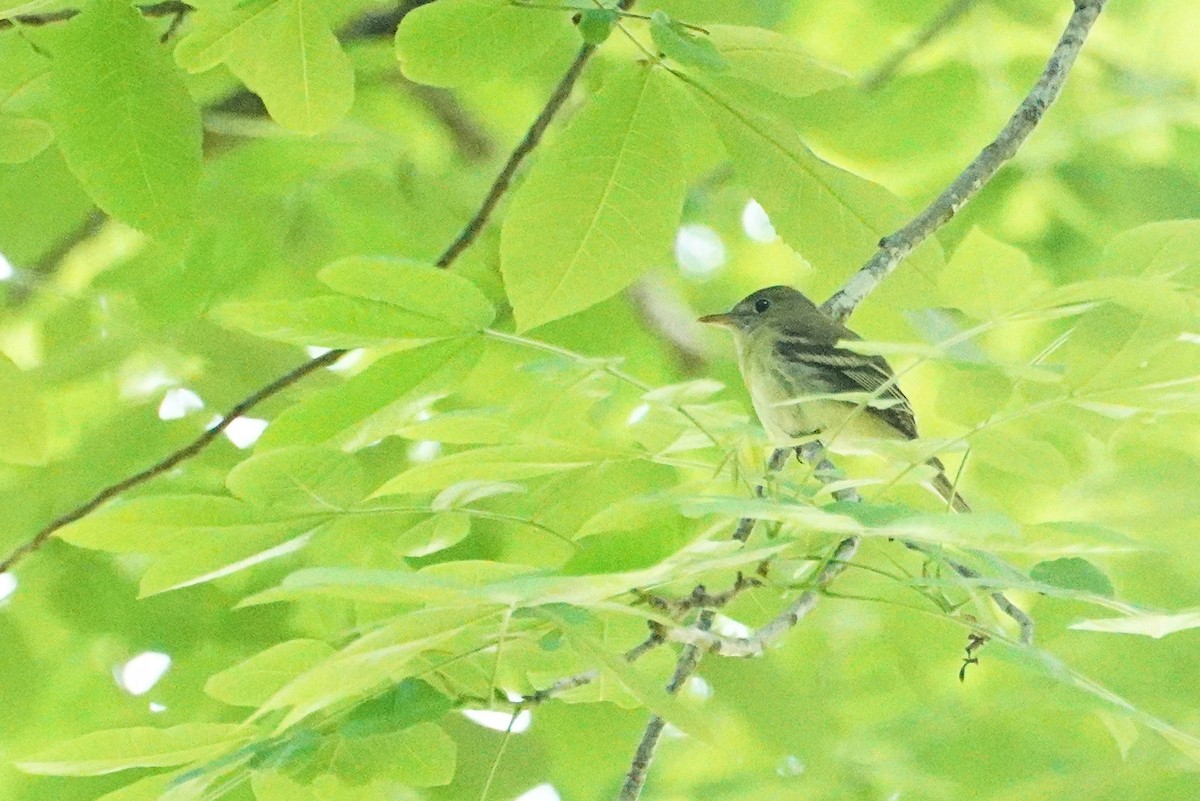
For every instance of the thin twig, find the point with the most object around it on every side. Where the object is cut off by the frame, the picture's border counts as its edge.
(561, 92)
(685, 666)
(757, 643)
(469, 234)
(186, 452)
(689, 657)
(894, 247)
(1017, 614)
(941, 23)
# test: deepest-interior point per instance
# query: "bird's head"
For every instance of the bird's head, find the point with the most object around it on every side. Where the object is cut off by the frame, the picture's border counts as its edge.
(775, 307)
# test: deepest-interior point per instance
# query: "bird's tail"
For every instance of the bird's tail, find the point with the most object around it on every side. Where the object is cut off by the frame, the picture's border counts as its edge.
(943, 487)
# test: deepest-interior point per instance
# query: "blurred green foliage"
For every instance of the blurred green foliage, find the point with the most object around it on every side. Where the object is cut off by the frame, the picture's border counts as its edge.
(458, 512)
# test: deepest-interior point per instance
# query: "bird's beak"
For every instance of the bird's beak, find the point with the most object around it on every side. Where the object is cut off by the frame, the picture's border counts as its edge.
(716, 319)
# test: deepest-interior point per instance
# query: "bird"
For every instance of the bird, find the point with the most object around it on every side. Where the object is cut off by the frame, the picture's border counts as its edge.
(789, 355)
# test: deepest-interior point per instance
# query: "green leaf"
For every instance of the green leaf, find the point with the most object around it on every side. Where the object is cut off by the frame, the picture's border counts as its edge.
(299, 480)
(22, 138)
(988, 278)
(284, 51)
(1148, 624)
(333, 321)
(208, 554)
(156, 523)
(677, 42)
(253, 681)
(600, 207)
(419, 756)
(24, 437)
(834, 218)
(141, 747)
(1073, 573)
(420, 288)
(357, 412)
(410, 533)
(410, 702)
(382, 656)
(124, 120)
(773, 60)
(462, 42)
(596, 24)
(500, 463)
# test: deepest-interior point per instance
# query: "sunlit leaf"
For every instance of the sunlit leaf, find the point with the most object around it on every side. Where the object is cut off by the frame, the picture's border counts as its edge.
(1148, 625)
(123, 118)
(284, 51)
(298, 480)
(599, 208)
(776, 61)
(141, 747)
(253, 681)
(461, 42)
(500, 463)
(422, 289)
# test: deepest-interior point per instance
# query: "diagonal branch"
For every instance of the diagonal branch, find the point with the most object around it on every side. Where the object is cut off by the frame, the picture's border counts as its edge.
(896, 246)
(886, 68)
(473, 229)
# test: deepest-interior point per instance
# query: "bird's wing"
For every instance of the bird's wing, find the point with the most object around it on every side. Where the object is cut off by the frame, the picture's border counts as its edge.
(844, 371)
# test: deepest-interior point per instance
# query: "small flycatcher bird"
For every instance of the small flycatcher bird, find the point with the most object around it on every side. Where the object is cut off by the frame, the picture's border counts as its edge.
(788, 352)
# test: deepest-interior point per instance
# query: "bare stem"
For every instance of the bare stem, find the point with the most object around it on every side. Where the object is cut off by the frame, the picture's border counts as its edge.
(896, 246)
(941, 23)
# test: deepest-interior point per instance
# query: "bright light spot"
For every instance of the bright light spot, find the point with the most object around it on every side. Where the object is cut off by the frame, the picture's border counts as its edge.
(6, 268)
(543, 792)
(699, 687)
(424, 451)
(8, 585)
(491, 719)
(1189, 336)
(142, 672)
(348, 361)
(245, 431)
(177, 403)
(699, 251)
(756, 223)
(790, 766)
(157, 707)
(316, 351)
(638, 414)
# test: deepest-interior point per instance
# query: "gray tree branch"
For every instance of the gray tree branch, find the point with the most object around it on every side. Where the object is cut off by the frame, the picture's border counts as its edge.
(896, 246)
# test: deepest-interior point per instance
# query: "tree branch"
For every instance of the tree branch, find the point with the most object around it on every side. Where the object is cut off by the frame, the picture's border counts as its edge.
(758, 642)
(464, 240)
(186, 452)
(1017, 614)
(475, 227)
(896, 246)
(886, 68)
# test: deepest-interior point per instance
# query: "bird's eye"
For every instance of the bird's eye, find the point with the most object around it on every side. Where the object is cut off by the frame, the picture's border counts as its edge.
(761, 305)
